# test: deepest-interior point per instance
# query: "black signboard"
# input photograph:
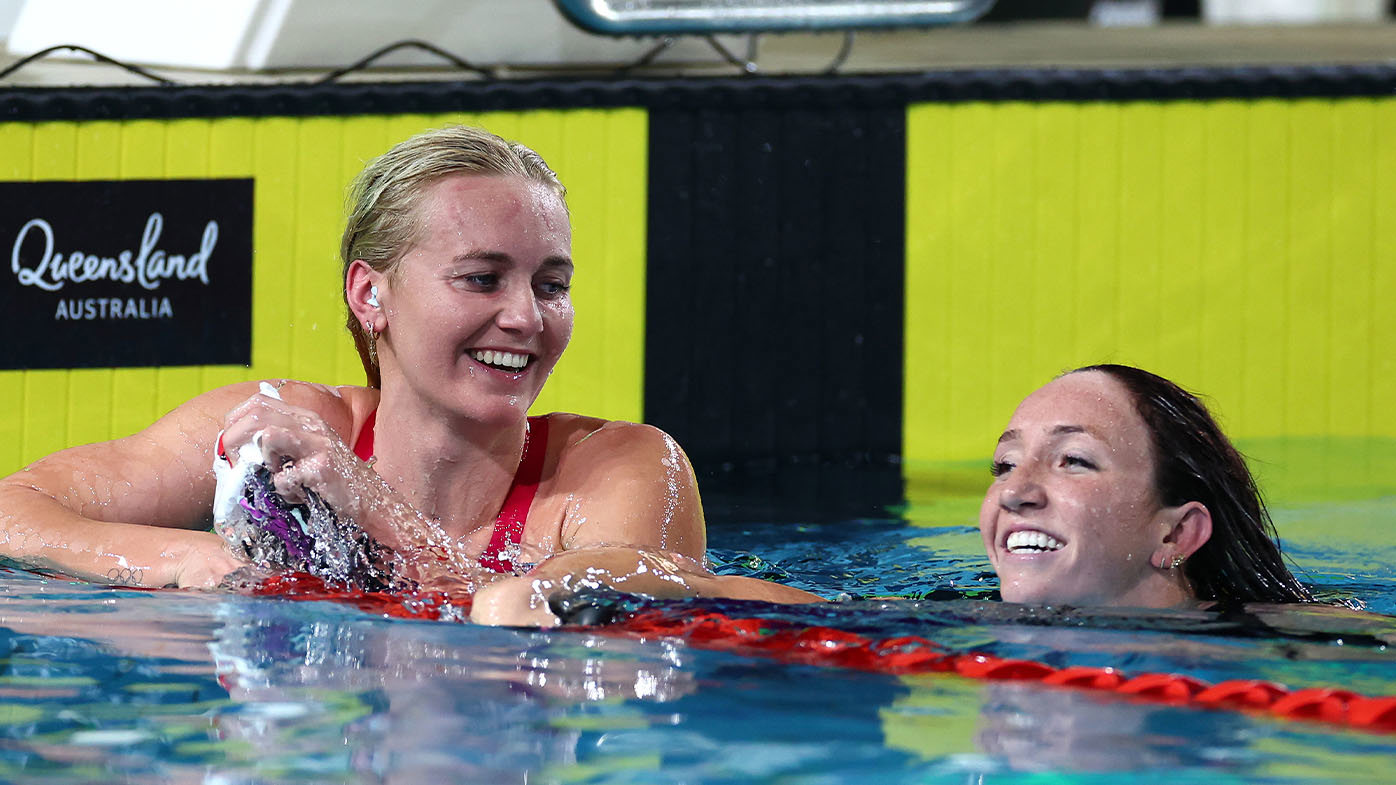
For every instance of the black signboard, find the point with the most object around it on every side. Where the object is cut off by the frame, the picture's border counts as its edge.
(108, 274)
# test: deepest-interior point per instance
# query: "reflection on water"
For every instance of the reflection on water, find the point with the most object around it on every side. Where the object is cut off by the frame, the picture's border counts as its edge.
(102, 685)
(426, 706)
(1032, 728)
(154, 685)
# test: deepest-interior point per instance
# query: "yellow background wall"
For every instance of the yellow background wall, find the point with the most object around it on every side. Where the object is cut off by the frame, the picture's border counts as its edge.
(301, 167)
(1244, 249)
(1238, 247)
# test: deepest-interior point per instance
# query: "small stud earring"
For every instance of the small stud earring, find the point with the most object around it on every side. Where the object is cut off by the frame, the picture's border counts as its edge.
(373, 296)
(1177, 562)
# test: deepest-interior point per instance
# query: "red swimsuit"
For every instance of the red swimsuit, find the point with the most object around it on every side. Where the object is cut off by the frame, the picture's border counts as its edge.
(509, 526)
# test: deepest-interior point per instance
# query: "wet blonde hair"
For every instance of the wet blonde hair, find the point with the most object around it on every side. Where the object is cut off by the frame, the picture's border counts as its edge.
(383, 219)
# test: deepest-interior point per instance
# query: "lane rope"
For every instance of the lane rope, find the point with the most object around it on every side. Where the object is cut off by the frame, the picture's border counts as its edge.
(830, 647)
(821, 646)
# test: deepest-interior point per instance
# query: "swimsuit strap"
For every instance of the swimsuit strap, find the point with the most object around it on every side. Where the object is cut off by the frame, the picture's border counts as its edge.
(363, 447)
(508, 528)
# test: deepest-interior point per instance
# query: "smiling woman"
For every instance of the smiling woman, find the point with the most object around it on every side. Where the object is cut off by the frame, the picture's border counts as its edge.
(1114, 486)
(457, 265)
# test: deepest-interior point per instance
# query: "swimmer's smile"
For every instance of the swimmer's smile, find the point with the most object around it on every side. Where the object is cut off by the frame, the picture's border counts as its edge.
(512, 363)
(1030, 542)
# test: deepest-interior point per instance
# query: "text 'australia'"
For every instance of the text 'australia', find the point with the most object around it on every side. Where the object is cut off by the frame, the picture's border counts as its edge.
(114, 308)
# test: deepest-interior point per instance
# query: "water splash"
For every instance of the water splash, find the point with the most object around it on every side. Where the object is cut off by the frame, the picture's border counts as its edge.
(272, 533)
(307, 537)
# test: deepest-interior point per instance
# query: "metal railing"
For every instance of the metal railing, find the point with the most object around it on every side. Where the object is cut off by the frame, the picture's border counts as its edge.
(708, 17)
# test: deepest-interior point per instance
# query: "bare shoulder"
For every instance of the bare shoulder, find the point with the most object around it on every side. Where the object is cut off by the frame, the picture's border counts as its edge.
(344, 408)
(614, 443)
(625, 484)
(575, 430)
(202, 411)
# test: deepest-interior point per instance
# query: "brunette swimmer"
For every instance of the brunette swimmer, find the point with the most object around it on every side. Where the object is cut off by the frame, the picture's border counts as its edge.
(1114, 486)
(457, 263)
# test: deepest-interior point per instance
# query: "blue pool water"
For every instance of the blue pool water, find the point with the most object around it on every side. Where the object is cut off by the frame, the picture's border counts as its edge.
(109, 685)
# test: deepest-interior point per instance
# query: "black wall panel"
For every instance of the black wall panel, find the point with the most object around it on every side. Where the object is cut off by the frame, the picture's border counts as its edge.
(774, 314)
(1019, 84)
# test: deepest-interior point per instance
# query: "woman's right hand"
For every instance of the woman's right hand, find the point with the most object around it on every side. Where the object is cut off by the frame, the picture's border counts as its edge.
(304, 453)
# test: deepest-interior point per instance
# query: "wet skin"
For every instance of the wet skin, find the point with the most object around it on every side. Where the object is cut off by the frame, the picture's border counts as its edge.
(1074, 489)
(483, 283)
(490, 272)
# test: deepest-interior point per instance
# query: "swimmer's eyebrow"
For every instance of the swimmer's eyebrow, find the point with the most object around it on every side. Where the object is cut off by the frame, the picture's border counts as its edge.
(488, 256)
(504, 258)
(1012, 434)
(1094, 433)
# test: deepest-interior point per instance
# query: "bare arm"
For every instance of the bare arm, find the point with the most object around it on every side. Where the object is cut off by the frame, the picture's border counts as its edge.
(523, 601)
(635, 525)
(125, 511)
(632, 485)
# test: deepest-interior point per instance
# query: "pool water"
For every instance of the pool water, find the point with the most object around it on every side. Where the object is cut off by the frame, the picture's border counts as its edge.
(110, 685)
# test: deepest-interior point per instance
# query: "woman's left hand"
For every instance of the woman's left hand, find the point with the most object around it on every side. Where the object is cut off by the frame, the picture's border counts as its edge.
(525, 601)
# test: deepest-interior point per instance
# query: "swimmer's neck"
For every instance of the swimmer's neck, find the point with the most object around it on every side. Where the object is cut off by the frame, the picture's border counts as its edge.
(1163, 589)
(452, 468)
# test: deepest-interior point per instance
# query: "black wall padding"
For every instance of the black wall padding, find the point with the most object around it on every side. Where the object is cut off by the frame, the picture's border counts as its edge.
(774, 308)
(1015, 84)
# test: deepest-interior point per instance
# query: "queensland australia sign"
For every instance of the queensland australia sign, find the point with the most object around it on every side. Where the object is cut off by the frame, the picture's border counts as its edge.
(126, 273)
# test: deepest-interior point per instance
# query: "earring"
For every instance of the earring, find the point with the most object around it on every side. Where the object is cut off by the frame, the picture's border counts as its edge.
(373, 296)
(372, 343)
(1177, 562)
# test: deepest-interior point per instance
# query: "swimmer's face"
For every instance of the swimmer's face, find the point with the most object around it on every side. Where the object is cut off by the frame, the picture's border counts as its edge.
(1072, 516)
(478, 311)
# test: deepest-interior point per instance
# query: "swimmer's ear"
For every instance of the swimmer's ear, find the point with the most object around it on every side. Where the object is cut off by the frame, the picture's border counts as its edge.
(1189, 527)
(360, 280)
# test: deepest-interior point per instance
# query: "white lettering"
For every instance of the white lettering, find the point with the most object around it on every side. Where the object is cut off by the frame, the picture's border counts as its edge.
(147, 266)
(149, 237)
(198, 263)
(34, 277)
(111, 308)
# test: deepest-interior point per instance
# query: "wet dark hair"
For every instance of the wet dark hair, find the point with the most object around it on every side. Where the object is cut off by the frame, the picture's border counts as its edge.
(1194, 461)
